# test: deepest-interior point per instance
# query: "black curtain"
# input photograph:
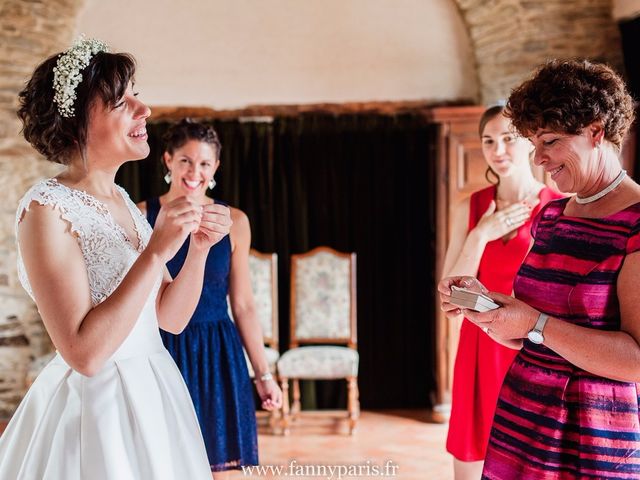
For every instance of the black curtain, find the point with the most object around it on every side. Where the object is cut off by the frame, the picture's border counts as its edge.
(356, 183)
(630, 33)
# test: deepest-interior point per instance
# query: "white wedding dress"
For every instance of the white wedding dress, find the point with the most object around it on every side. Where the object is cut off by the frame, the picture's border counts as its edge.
(132, 420)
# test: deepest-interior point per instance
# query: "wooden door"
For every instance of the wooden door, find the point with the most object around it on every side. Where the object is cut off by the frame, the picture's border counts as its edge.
(461, 168)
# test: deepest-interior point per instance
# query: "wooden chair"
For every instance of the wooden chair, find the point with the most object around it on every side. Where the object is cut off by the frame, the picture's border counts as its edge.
(263, 268)
(323, 311)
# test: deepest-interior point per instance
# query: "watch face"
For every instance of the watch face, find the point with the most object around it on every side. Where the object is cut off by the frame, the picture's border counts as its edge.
(535, 336)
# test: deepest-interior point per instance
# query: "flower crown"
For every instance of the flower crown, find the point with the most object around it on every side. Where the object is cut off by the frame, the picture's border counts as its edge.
(67, 72)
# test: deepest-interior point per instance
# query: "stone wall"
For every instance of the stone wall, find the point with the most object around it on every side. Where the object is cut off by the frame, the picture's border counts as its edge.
(29, 32)
(511, 37)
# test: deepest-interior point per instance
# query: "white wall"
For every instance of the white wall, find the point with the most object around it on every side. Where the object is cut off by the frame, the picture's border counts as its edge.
(234, 53)
(623, 9)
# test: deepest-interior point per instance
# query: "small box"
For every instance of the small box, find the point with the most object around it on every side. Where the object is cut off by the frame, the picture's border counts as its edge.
(472, 300)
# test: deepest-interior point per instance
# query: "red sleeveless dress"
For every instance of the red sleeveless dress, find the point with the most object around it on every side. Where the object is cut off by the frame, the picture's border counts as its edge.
(481, 363)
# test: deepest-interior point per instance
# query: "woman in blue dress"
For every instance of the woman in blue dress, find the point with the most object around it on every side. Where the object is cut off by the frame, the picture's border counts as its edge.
(209, 350)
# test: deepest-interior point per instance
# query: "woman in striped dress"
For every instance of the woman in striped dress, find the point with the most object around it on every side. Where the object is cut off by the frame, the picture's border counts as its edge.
(490, 237)
(568, 408)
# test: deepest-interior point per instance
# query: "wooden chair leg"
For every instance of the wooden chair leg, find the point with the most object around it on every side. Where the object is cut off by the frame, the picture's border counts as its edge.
(295, 408)
(274, 418)
(353, 403)
(286, 419)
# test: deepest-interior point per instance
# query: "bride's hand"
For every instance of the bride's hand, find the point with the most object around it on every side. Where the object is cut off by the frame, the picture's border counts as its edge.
(175, 221)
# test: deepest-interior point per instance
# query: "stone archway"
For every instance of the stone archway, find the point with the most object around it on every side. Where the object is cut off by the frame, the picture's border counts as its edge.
(511, 37)
(29, 32)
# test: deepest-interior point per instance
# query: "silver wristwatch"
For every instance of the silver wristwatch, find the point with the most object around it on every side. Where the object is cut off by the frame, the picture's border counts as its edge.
(535, 335)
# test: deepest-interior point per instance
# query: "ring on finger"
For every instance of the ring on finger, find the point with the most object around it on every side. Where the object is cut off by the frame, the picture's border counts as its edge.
(485, 330)
(508, 222)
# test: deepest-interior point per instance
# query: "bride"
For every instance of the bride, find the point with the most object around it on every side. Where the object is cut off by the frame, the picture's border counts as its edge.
(111, 404)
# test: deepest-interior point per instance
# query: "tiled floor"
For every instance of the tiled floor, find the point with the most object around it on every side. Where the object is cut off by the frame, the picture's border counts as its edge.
(403, 439)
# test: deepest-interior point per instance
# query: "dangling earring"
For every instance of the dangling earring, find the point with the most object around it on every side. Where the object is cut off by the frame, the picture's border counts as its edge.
(167, 177)
(212, 183)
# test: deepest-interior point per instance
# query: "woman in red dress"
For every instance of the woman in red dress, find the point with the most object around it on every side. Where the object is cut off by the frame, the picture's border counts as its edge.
(489, 240)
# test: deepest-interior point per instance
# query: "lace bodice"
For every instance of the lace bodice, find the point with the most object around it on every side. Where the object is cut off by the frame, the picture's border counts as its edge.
(107, 251)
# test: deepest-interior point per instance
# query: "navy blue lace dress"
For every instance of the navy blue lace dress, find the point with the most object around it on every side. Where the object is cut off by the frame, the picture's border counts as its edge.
(209, 354)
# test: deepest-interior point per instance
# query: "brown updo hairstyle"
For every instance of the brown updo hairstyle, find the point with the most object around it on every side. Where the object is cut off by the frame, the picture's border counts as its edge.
(59, 138)
(186, 129)
(488, 115)
(568, 95)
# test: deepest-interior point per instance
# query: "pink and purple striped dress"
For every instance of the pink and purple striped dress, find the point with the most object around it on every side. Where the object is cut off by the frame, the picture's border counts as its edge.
(554, 420)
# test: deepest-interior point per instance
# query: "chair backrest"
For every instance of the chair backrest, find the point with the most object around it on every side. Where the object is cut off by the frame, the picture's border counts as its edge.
(263, 268)
(323, 297)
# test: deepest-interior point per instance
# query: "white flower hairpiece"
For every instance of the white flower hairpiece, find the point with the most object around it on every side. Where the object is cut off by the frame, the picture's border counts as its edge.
(67, 72)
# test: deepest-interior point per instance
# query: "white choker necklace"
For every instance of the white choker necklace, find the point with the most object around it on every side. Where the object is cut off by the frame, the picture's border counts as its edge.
(603, 192)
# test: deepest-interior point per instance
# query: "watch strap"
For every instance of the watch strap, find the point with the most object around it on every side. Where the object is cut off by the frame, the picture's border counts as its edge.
(542, 321)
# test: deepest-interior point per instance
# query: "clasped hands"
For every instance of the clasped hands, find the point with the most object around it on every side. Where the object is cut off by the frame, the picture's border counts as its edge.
(207, 224)
(512, 321)
(215, 224)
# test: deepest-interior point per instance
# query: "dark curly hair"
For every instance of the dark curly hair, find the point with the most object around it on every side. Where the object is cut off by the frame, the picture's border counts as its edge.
(567, 95)
(59, 138)
(186, 129)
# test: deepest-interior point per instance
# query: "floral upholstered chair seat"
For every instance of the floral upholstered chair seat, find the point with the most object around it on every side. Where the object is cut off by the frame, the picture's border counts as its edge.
(324, 362)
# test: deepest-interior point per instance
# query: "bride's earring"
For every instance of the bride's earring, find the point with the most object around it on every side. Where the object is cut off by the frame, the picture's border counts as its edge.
(167, 177)
(212, 183)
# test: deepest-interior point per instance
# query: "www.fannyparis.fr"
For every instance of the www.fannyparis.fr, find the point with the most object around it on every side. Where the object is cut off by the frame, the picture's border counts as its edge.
(293, 470)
